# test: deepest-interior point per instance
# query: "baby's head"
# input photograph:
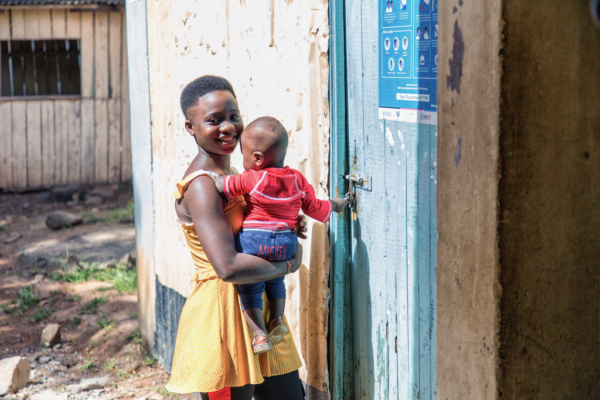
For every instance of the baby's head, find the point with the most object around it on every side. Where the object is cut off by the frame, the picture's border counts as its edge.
(264, 144)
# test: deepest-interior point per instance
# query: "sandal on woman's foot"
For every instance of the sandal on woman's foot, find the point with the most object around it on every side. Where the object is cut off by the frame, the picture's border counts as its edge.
(262, 347)
(277, 333)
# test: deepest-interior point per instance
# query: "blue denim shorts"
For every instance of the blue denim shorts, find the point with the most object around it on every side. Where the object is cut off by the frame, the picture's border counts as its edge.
(272, 246)
(267, 244)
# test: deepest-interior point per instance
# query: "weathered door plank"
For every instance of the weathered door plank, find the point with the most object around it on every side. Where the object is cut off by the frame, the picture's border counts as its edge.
(58, 23)
(100, 141)
(125, 122)
(87, 55)
(74, 142)
(34, 144)
(6, 167)
(87, 141)
(101, 55)
(48, 157)
(19, 143)
(60, 142)
(114, 140)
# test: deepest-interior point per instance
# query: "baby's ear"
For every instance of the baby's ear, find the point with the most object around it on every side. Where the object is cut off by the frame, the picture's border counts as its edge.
(258, 158)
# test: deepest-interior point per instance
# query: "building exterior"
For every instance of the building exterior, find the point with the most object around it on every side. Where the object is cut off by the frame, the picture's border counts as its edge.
(468, 268)
(64, 102)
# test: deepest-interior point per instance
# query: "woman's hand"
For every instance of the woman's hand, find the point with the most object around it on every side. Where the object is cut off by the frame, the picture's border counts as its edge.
(301, 227)
(296, 260)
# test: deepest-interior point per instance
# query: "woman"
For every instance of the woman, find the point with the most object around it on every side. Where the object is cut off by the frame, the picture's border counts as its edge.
(213, 352)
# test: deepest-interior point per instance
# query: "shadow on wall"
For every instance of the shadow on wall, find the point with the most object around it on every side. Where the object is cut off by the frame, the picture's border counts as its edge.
(170, 303)
(364, 375)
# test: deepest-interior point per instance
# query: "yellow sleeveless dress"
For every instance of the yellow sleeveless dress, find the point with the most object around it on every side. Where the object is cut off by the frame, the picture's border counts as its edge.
(214, 343)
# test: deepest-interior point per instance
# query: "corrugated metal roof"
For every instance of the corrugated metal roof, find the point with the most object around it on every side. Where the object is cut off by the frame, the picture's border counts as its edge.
(58, 2)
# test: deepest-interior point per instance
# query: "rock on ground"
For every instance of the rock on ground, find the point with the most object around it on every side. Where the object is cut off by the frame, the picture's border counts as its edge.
(14, 374)
(72, 264)
(89, 384)
(50, 395)
(50, 335)
(57, 219)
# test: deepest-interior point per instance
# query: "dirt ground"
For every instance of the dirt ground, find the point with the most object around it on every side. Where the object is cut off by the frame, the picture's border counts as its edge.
(97, 313)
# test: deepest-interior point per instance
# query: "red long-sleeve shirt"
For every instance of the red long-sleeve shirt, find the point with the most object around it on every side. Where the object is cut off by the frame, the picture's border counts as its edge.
(274, 196)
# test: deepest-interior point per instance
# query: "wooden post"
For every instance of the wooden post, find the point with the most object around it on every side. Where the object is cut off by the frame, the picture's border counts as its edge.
(141, 144)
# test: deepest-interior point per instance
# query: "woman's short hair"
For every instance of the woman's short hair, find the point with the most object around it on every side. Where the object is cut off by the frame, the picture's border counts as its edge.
(200, 87)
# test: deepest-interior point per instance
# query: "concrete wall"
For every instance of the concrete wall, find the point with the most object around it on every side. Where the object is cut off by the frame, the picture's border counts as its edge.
(468, 130)
(518, 251)
(549, 197)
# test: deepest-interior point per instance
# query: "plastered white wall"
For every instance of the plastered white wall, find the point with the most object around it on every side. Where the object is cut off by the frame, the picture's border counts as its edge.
(275, 55)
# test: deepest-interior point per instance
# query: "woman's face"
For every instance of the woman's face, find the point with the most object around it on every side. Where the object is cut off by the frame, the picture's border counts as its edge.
(216, 122)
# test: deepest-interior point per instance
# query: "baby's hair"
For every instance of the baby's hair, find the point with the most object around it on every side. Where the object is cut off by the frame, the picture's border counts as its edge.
(200, 87)
(273, 134)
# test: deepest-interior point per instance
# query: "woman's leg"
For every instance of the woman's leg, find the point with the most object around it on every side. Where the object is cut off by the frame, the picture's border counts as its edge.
(234, 393)
(287, 386)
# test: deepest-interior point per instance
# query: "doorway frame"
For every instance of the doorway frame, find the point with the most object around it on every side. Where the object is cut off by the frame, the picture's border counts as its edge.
(340, 323)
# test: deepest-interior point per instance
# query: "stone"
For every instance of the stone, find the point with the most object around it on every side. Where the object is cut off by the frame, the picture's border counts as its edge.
(64, 194)
(107, 264)
(73, 264)
(134, 367)
(58, 219)
(11, 237)
(93, 201)
(50, 335)
(104, 191)
(89, 384)
(128, 260)
(38, 277)
(40, 290)
(50, 395)
(44, 359)
(14, 374)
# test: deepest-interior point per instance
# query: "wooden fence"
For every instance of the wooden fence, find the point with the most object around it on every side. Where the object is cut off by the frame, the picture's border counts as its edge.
(69, 139)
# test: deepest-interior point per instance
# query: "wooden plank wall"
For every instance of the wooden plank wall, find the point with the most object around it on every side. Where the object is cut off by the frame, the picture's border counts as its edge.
(48, 142)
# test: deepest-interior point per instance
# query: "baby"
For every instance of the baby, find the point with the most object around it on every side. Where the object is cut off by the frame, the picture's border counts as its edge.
(274, 195)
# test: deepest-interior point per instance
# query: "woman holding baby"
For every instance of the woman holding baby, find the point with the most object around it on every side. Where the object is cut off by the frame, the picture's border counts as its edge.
(214, 354)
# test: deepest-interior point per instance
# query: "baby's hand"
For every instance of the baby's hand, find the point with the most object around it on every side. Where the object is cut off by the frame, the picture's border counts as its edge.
(220, 184)
(339, 204)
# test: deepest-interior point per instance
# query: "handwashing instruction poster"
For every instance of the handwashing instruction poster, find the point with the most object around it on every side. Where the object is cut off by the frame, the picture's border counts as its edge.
(408, 58)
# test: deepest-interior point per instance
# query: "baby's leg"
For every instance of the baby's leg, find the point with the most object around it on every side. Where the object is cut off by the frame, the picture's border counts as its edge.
(275, 289)
(251, 298)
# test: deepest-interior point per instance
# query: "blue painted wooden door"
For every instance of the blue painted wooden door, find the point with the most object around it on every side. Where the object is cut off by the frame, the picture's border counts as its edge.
(393, 231)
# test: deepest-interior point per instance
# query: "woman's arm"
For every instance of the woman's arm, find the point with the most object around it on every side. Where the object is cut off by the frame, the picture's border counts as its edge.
(205, 207)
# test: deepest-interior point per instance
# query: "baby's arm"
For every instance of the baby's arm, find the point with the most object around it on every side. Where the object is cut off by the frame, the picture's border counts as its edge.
(230, 186)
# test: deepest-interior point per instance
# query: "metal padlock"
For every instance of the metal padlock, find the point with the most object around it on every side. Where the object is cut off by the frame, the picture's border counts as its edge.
(351, 199)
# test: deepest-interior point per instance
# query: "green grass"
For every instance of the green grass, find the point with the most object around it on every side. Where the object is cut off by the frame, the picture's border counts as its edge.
(41, 314)
(120, 213)
(123, 375)
(24, 302)
(106, 323)
(112, 216)
(76, 321)
(149, 361)
(123, 279)
(91, 307)
(135, 336)
(109, 365)
(87, 364)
